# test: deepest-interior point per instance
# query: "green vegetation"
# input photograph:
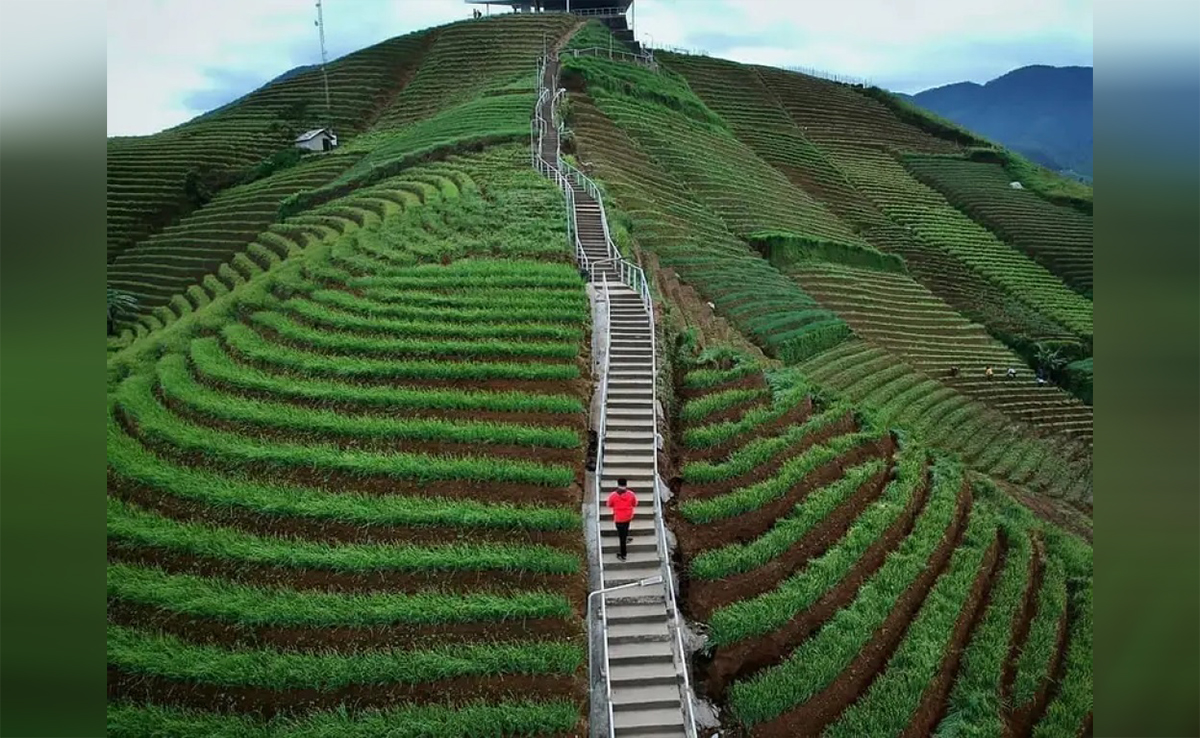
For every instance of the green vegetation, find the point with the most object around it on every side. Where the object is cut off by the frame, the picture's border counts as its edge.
(738, 558)
(245, 605)
(168, 656)
(820, 659)
(143, 528)
(786, 250)
(272, 415)
(770, 611)
(745, 499)
(472, 720)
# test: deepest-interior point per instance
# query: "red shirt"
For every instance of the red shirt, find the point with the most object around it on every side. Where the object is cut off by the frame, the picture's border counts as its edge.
(622, 505)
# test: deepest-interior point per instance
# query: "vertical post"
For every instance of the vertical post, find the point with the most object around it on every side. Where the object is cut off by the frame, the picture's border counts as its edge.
(324, 75)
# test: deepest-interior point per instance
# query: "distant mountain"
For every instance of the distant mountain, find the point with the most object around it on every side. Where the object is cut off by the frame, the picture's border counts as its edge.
(1043, 112)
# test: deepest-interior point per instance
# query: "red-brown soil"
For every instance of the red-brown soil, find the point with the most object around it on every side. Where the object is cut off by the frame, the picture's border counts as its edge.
(1025, 717)
(572, 586)
(813, 716)
(933, 703)
(342, 639)
(708, 595)
(743, 658)
(267, 703)
(1023, 618)
(325, 530)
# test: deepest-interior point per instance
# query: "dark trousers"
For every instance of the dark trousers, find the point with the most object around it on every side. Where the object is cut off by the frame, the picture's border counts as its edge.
(623, 535)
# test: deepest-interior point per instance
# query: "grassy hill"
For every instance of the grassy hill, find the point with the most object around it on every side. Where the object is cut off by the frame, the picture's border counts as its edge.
(348, 419)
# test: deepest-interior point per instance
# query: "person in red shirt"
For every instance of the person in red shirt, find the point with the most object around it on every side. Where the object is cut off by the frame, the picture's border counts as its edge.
(622, 501)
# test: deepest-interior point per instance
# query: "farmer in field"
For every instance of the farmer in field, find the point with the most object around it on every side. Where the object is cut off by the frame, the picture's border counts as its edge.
(622, 501)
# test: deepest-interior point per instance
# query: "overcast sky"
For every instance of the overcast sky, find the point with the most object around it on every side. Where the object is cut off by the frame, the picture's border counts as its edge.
(170, 60)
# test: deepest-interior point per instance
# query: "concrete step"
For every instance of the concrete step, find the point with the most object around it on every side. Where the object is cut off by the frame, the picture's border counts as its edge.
(639, 526)
(628, 674)
(654, 694)
(656, 721)
(614, 578)
(631, 437)
(641, 543)
(627, 461)
(633, 559)
(622, 447)
(640, 653)
(631, 613)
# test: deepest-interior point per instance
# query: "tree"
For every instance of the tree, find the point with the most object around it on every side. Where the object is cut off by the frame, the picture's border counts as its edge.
(121, 305)
(1049, 359)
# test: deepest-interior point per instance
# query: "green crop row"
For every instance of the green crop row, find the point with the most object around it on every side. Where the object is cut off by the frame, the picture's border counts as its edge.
(715, 402)
(1033, 664)
(134, 525)
(973, 707)
(1065, 713)
(493, 307)
(209, 361)
(715, 434)
(894, 696)
(253, 346)
(178, 385)
(699, 379)
(747, 499)
(469, 720)
(170, 657)
(325, 316)
(761, 450)
(251, 605)
(739, 558)
(135, 397)
(770, 611)
(819, 660)
(306, 334)
(220, 491)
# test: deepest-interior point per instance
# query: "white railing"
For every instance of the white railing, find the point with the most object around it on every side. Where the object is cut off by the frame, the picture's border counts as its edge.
(646, 60)
(606, 12)
(634, 277)
(599, 496)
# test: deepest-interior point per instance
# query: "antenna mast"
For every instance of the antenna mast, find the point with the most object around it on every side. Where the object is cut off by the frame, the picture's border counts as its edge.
(324, 74)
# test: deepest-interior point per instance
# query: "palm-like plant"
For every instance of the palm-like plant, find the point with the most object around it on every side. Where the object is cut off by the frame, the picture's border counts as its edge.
(121, 305)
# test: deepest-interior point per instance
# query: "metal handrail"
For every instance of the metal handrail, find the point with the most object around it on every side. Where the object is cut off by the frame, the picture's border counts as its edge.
(646, 60)
(599, 492)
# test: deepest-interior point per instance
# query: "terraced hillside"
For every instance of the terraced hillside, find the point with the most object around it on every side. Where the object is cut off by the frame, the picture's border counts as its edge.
(852, 584)
(1056, 236)
(347, 496)
(822, 135)
(347, 431)
(147, 174)
(428, 94)
(959, 295)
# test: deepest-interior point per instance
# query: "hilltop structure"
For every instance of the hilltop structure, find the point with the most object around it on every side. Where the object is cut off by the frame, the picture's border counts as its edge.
(609, 12)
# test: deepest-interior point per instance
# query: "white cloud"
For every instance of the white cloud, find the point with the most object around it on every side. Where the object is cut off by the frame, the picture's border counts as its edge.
(161, 53)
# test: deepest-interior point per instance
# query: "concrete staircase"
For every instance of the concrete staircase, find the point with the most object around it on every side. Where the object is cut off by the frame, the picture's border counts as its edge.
(644, 671)
(645, 680)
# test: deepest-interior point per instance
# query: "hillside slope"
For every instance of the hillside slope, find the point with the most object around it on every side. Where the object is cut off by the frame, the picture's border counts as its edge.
(1043, 112)
(347, 440)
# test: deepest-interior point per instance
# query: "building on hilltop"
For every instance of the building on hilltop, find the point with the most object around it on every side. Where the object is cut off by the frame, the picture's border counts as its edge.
(609, 12)
(318, 139)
